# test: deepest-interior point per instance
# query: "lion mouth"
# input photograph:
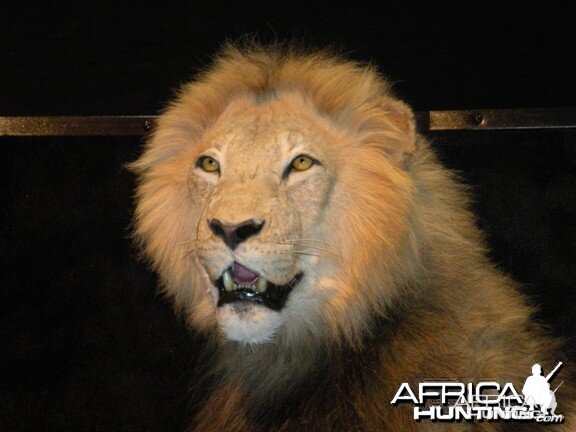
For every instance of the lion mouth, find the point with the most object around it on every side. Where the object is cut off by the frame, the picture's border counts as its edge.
(239, 283)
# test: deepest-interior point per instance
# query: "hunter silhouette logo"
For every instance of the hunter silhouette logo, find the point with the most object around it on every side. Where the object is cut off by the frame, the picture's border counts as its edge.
(486, 400)
(537, 391)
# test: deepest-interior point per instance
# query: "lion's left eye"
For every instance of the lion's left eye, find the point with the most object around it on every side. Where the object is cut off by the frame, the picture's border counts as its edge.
(208, 164)
(301, 163)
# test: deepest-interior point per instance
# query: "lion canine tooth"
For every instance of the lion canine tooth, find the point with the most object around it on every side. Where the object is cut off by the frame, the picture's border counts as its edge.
(228, 282)
(261, 285)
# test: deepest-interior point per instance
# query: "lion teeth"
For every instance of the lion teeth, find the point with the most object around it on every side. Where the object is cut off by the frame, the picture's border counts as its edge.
(262, 285)
(228, 282)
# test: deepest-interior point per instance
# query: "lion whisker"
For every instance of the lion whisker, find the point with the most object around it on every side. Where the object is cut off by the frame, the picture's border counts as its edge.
(298, 253)
(310, 247)
(309, 240)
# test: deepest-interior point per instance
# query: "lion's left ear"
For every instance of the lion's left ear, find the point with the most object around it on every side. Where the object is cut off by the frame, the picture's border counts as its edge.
(400, 118)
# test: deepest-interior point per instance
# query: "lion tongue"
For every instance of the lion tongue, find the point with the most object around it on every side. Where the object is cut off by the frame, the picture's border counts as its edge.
(243, 276)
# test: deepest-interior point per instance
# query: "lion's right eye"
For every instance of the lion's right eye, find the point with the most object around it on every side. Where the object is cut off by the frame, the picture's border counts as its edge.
(302, 163)
(208, 164)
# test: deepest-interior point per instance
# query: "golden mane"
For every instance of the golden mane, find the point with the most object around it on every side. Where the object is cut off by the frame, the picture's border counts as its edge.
(353, 96)
(410, 215)
(412, 289)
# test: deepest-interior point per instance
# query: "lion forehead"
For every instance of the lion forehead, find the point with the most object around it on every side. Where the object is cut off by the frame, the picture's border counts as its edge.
(271, 131)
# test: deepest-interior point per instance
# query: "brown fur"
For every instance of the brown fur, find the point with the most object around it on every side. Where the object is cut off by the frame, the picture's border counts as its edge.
(412, 294)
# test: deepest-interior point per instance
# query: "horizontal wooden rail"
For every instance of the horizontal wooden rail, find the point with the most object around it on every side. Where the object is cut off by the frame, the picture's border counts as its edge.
(500, 119)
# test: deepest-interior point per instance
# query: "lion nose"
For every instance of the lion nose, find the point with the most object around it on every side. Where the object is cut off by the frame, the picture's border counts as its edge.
(233, 235)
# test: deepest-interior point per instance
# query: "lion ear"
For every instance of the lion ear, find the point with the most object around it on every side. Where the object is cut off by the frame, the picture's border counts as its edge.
(400, 118)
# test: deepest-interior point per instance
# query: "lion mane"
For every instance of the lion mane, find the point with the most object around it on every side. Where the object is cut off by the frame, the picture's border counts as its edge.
(397, 286)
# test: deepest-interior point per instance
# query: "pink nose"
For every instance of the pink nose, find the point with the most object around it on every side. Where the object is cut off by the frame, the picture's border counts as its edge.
(233, 235)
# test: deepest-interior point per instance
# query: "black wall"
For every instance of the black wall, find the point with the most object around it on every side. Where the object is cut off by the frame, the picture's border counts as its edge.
(125, 58)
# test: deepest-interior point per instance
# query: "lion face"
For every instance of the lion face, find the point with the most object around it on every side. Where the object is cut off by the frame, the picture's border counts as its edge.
(264, 179)
(279, 211)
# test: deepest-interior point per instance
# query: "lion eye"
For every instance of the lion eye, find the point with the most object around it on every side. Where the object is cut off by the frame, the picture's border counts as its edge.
(302, 163)
(208, 164)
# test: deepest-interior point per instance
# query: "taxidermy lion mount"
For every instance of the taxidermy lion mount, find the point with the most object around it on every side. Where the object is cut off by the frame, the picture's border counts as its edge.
(311, 235)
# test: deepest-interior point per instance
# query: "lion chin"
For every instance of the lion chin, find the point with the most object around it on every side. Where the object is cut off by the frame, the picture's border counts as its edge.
(249, 324)
(311, 236)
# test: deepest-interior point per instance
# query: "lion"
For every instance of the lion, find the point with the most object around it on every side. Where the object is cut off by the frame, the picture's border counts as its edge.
(310, 235)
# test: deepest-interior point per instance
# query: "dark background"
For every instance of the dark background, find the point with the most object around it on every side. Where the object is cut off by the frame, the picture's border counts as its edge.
(125, 58)
(86, 344)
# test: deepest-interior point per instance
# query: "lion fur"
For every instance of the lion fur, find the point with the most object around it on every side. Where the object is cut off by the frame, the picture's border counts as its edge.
(419, 298)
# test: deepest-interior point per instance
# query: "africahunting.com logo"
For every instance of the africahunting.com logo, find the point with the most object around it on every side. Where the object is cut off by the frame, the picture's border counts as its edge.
(486, 400)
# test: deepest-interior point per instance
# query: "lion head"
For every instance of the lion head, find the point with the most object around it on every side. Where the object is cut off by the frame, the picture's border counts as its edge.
(275, 197)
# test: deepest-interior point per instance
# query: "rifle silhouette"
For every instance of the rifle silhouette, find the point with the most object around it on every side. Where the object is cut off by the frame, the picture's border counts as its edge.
(554, 391)
(553, 371)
